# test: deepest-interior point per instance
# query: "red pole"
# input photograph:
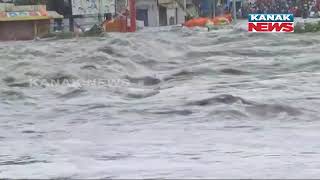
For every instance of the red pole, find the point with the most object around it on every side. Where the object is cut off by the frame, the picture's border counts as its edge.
(132, 6)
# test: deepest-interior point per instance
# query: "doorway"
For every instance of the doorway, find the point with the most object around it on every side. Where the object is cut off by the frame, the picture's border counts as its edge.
(163, 16)
(142, 15)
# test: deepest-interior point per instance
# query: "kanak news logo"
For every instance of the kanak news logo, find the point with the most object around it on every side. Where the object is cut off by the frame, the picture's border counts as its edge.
(271, 23)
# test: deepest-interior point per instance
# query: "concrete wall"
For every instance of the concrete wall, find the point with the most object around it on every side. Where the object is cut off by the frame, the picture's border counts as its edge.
(175, 10)
(181, 16)
(172, 12)
(153, 11)
(182, 12)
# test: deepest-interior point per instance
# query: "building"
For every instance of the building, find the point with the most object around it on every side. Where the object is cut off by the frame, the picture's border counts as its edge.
(148, 12)
(25, 22)
(82, 13)
(161, 12)
(211, 8)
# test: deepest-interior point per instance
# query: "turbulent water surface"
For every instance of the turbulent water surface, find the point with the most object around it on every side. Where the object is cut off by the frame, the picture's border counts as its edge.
(173, 104)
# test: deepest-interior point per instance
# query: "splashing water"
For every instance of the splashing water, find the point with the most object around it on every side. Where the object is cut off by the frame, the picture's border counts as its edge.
(166, 104)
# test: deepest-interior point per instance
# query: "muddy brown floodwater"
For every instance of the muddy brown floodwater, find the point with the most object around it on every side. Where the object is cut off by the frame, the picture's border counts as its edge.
(168, 104)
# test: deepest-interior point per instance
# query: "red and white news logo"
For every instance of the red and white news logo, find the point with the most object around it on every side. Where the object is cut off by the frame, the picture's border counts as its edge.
(271, 23)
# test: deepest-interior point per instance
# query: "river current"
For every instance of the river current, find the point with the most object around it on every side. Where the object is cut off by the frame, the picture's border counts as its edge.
(168, 104)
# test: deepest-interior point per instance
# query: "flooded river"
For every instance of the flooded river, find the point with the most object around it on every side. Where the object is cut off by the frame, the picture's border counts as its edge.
(161, 104)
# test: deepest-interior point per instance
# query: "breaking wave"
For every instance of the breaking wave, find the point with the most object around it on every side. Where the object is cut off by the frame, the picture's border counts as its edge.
(156, 97)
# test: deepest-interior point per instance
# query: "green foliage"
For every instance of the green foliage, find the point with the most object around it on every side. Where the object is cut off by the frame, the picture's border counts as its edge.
(307, 27)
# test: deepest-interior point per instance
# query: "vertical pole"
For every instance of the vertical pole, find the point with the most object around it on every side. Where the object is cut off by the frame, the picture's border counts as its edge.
(35, 29)
(211, 8)
(132, 7)
(71, 23)
(99, 12)
(234, 11)
(214, 8)
(116, 6)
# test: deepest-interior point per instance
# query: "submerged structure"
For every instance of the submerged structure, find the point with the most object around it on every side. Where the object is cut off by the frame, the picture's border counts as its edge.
(25, 22)
(125, 21)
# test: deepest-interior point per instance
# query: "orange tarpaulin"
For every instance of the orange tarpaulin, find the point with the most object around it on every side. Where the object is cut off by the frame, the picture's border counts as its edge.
(202, 22)
(196, 22)
(221, 20)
